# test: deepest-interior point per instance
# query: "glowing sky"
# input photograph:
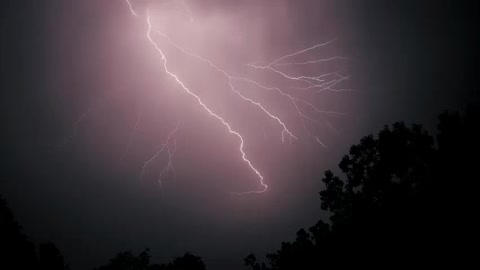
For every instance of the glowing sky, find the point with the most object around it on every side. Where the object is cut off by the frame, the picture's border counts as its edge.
(104, 150)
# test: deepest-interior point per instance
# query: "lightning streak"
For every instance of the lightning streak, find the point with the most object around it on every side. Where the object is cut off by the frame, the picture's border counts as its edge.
(293, 100)
(230, 78)
(170, 155)
(67, 139)
(169, 167)
(318, 83)
(312, 81)
(131, 8)
(312, 61)
(80, 119)
(200, 102)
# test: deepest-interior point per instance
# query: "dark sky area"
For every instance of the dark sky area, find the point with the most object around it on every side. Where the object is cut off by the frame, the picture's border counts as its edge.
(77, 75)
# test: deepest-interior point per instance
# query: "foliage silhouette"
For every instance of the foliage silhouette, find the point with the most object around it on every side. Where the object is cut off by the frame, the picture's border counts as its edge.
(17, 252)
(390, 207)
(128, 261)
(50, 258)
(187, 262)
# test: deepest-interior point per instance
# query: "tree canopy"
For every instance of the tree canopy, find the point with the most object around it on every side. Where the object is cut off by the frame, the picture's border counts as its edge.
(393, 203)
(18, 252)
(129, 261)
(402, 198)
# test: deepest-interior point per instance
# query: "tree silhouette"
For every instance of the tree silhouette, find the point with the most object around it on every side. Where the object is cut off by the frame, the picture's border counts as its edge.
(186, 262)
(50, 258)
(390, 206)
(128, 261)
(17, 252)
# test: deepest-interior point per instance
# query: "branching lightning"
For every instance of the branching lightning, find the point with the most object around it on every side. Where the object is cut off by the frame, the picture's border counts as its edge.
(200, 102)
(170, 155)
(230, 79)
(317, 83)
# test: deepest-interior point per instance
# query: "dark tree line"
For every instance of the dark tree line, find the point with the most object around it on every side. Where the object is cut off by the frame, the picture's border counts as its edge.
(403, 199)
(17, 252)
(128, 261)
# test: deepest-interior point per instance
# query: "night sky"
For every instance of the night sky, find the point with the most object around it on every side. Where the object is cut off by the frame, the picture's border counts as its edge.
(85, 102)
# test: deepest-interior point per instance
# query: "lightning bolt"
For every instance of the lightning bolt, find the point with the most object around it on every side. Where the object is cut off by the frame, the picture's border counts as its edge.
(312, 61)
(169, 166)
(170, 154)
(200, 102)
(230, 78)
(312, 81)
(317, 83)
(67, 139)
(131, 8)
